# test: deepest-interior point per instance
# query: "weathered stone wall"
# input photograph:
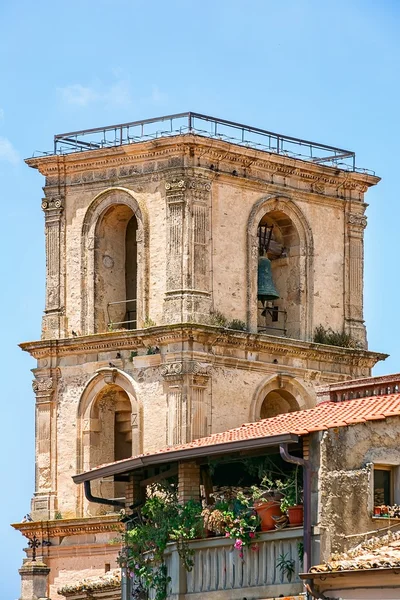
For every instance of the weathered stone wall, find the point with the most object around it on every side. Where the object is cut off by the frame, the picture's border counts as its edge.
(202, 380)
(198, 204)
(197, 234)
(345, 490)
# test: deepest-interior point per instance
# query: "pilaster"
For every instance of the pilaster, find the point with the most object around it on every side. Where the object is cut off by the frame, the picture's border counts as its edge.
(188, 290)
(44, 499)
(188, 400)
(354, 276)
(52, 322)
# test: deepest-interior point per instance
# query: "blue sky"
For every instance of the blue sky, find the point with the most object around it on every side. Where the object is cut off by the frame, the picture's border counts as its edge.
(325, 71)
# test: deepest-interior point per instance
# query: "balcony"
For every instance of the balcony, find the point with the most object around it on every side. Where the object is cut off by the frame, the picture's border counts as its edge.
(219, 572)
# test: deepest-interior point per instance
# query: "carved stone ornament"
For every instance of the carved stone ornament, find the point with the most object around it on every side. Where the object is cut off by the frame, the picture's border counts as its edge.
(318, 188)
(173, 186)
(190, 367)
(198, 184)
(52, 203)
(358, 220)
(44, 384)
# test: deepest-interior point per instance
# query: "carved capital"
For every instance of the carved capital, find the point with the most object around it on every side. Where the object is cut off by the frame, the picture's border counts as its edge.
(357, 220)
(175, 191)
(190, 367)
(53, 203)
(42, 384)
(173, 186)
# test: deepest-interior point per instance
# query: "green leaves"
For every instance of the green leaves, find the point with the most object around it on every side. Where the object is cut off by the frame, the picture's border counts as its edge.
(162, 520)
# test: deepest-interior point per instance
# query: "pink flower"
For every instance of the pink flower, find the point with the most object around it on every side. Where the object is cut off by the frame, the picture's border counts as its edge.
(227, 534)
(238, 544)
(252, 534)
(241, 554)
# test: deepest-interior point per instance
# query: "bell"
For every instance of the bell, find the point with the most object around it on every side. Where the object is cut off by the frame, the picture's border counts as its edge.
(266, 290)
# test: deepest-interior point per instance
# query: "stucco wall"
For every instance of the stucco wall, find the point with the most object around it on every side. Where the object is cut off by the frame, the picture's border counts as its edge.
(345, 480)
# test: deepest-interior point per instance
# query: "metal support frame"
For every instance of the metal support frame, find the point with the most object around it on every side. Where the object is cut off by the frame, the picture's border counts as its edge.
(206, 126)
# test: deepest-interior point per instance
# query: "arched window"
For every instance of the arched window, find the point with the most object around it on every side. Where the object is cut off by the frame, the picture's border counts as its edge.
(279, 241)
(277, 402)
(110, 437)
(116, 269)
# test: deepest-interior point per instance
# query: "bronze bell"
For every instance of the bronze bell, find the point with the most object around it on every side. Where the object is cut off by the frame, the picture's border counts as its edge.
(266, 290)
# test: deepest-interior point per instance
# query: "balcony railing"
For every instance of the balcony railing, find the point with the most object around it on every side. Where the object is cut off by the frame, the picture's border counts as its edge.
(219, 568)
(206, 126)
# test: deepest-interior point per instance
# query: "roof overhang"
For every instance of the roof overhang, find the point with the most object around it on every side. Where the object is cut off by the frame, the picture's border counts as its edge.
(373, 579)
(159, 458)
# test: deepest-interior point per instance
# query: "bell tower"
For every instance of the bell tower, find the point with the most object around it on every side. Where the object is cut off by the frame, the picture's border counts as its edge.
(189, 261)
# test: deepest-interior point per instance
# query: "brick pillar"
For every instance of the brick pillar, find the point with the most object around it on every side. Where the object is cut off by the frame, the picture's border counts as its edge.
(134, 492)
(188, 481)
(34, 580)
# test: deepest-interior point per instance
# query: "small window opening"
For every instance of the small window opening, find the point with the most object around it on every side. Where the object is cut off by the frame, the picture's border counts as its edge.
(383, 486)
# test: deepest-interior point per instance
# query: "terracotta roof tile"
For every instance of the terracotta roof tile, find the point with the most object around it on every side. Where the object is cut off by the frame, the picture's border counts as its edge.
(324, 416)
(375, 553)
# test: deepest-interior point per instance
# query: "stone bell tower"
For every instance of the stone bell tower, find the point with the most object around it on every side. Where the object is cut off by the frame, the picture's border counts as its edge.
(153, 333)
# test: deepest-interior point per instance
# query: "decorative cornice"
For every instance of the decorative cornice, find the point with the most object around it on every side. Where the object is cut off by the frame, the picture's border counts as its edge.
(69, 527)
(214, 150)
(205, 334)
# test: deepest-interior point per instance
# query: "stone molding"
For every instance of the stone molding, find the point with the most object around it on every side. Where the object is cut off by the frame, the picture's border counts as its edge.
(206, 334)
(69, 527)
(215, 150)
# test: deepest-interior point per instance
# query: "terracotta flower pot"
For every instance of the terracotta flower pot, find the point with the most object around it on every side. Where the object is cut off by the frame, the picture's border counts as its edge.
(267, 510)
(296, 515)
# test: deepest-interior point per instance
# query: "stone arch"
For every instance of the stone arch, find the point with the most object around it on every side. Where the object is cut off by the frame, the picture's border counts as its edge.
(108, 413)
(101, 203)
(296, 394)
(286, 206)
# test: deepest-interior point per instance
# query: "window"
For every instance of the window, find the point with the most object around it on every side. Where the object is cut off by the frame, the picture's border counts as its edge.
(383, 485)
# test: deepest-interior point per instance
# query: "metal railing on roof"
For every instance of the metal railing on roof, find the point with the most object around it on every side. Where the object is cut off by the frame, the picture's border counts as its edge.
(206, 126)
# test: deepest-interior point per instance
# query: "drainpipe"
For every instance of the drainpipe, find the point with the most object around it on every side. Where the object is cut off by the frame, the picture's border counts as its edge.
(309, 585)
(98, 500)
(283, 449)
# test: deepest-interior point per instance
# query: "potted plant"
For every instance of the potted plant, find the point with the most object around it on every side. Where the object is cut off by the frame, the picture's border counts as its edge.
(292, 499)
(234, 517)
(267, 502)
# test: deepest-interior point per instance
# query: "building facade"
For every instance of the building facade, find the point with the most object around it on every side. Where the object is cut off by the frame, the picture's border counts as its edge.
(153, 334)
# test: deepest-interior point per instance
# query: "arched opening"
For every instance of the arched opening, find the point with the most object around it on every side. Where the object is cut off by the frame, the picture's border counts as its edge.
(110, 437)
(279, 241)
(277, 402)
(131, 273)
(116, 269)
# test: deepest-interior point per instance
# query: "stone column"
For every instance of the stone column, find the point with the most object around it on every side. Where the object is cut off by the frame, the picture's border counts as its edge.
(188, 295)
(44, 499)
(34, 576)
(188, 403)
(354, 277)
(52, 322)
